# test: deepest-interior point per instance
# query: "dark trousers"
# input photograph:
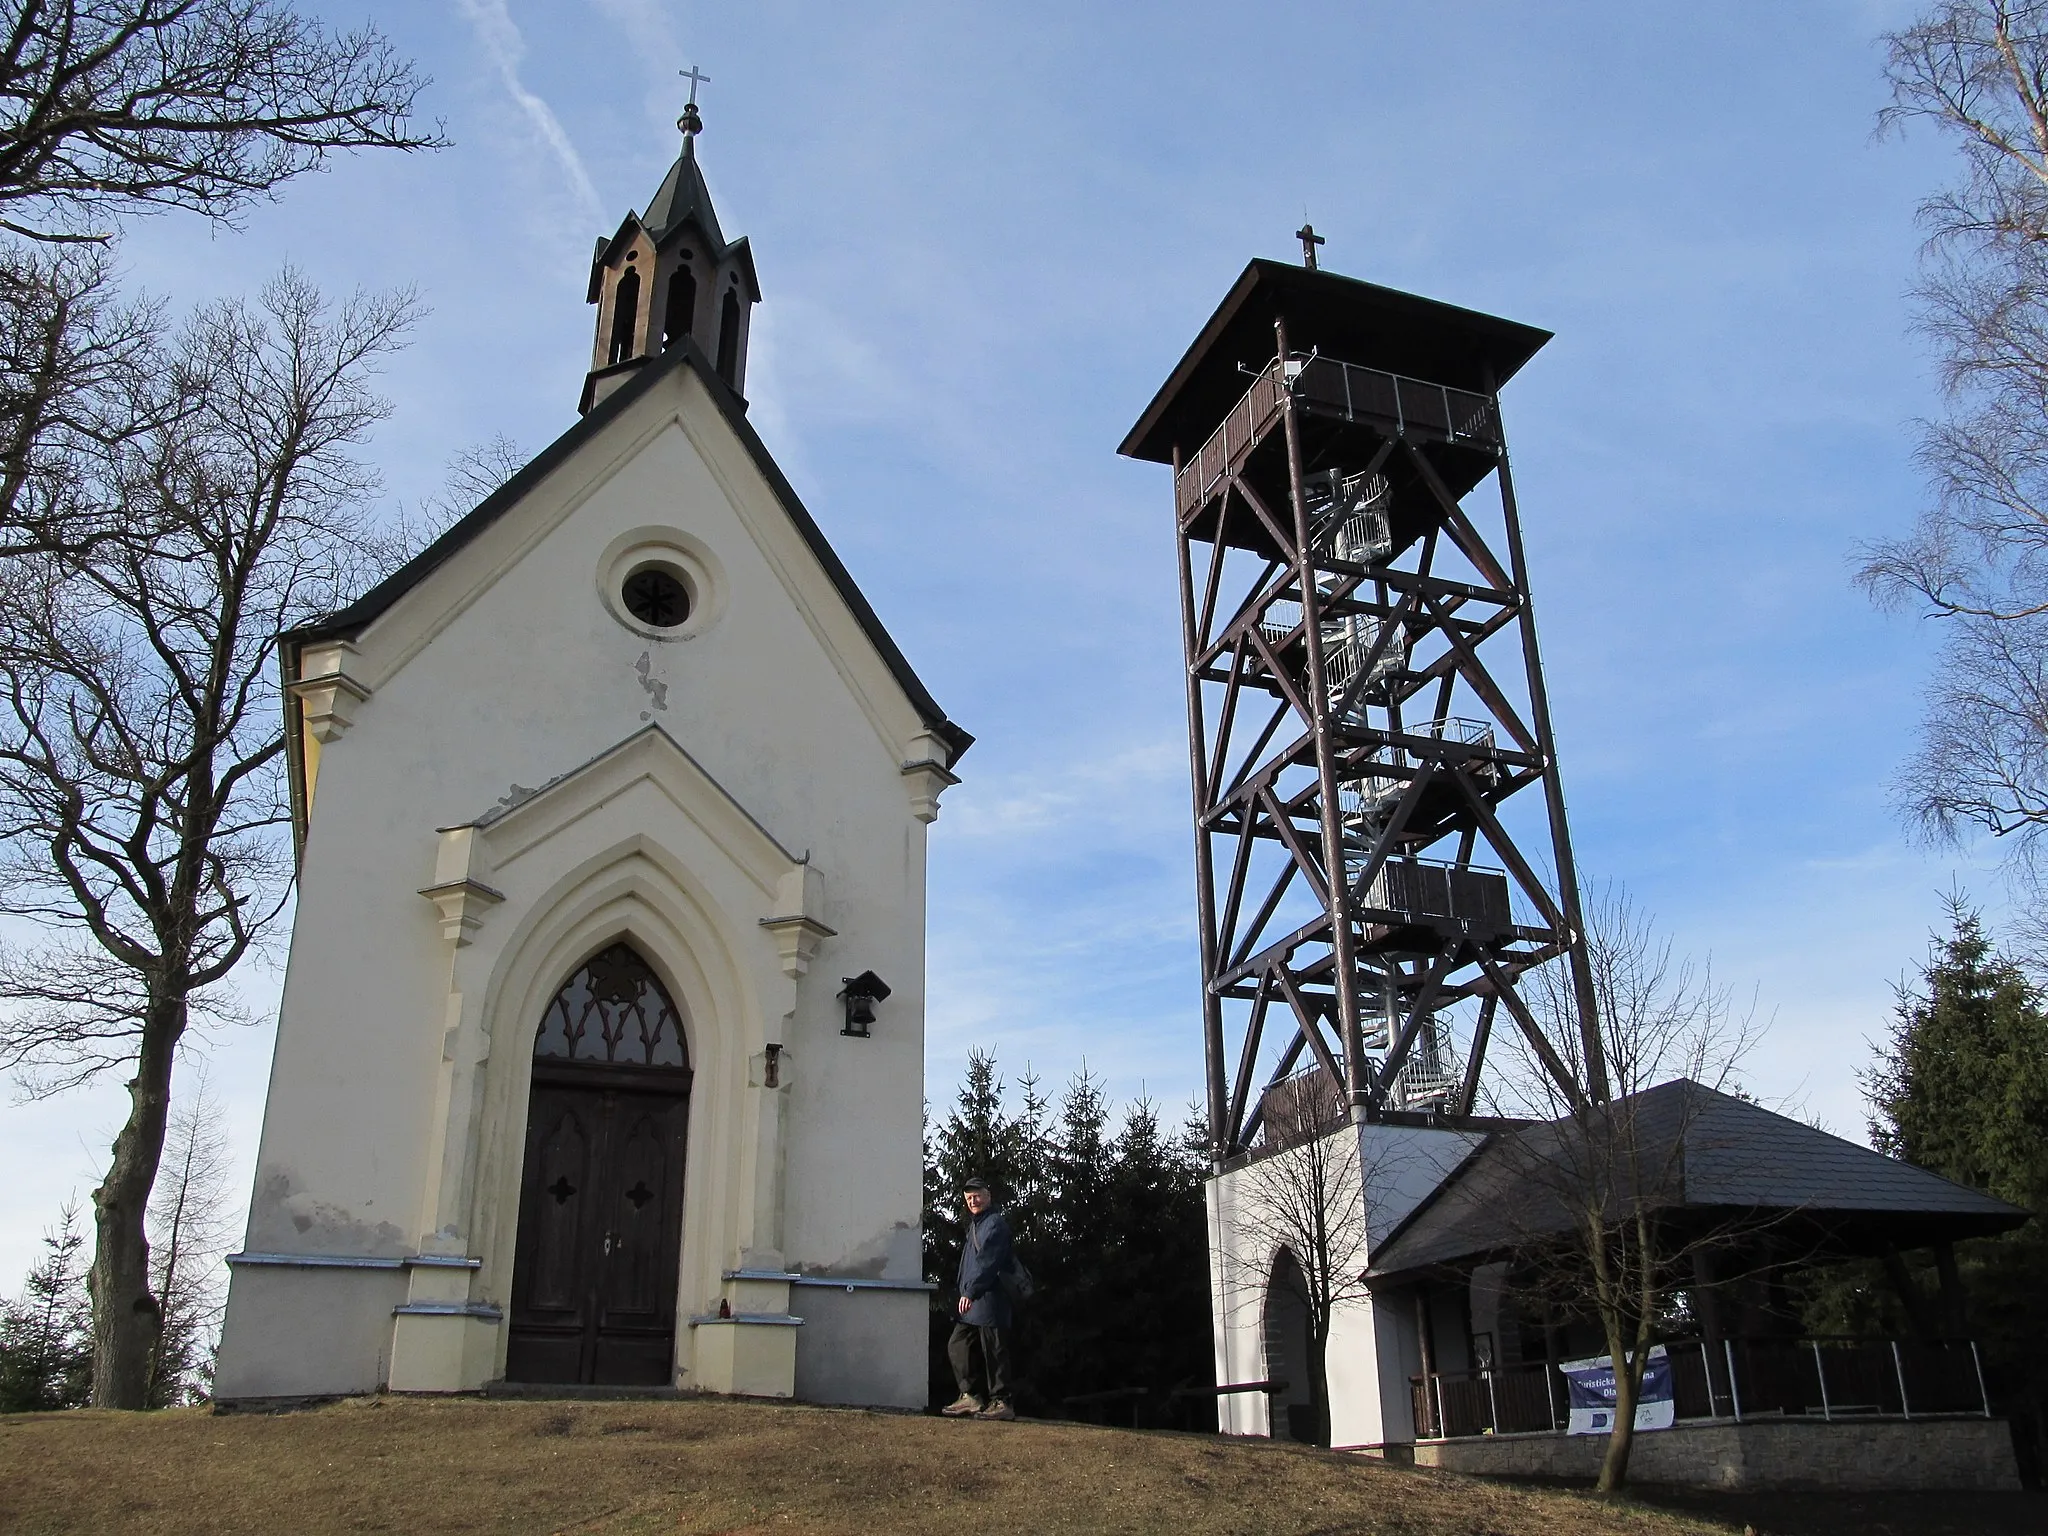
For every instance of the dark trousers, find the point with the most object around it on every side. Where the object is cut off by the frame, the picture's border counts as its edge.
(995, 1358)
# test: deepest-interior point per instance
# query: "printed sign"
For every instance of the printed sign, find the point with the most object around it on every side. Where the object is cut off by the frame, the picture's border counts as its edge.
(1591, 1383)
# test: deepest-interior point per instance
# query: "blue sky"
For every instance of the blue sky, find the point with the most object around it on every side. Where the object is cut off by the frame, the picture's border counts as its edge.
(984, 234)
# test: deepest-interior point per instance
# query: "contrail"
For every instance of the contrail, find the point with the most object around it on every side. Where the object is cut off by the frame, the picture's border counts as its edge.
(501, 39)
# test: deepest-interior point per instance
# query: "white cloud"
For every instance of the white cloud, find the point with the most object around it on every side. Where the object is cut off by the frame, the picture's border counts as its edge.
(506, 46)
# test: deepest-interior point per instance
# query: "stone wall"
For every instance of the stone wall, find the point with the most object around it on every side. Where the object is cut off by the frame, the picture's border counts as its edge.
(1790, 1454)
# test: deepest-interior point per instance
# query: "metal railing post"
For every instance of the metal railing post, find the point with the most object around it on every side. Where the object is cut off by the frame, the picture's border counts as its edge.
(1983, 1395)
(1820, 1370)
(1734, 1397)
(1899, 1365)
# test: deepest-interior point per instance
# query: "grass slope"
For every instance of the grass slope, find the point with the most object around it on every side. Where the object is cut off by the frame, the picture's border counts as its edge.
(413, 1466)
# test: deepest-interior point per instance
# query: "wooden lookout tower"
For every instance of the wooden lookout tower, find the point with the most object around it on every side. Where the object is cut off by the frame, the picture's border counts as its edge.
(1365, 701)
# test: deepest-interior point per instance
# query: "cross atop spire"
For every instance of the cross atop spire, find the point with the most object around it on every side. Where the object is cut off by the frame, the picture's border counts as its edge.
(691, 122)
(1309, 241)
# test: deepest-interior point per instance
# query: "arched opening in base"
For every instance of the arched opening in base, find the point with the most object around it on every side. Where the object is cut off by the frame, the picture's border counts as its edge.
(1287, 1351)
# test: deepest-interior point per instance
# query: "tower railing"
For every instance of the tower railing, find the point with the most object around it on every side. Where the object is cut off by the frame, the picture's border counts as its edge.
(1332, 387)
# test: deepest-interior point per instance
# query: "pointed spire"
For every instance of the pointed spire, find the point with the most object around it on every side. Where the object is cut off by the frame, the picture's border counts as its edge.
(683, 192)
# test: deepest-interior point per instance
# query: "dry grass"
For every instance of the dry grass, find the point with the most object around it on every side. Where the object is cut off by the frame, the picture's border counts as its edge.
(703, 1466)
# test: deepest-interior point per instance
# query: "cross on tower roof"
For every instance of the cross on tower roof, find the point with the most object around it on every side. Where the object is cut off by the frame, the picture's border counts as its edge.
(691, 122)
(1309, 241)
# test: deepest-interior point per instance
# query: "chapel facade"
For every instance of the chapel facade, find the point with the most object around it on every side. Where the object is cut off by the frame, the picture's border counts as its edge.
(600, 1056)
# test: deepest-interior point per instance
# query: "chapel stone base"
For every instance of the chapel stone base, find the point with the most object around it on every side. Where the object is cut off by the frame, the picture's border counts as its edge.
(442, 1340)
(439, 1352)
(1787, 1455)
(745, 1356)
(749, 1349)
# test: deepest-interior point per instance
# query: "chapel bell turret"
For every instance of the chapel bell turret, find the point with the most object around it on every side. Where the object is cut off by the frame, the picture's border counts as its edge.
(669, 274)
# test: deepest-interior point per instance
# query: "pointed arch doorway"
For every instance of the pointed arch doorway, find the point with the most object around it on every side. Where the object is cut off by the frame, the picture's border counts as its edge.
(1288, 1351)
(601, 1192)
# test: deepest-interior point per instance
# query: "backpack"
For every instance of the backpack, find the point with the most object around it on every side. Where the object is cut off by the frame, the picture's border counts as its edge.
(1018, 1283)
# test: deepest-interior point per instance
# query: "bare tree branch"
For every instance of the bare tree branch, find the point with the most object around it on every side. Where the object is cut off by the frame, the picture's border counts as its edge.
(111, 107)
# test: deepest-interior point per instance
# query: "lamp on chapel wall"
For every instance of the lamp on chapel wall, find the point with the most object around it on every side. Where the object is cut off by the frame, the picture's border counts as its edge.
(861, 993)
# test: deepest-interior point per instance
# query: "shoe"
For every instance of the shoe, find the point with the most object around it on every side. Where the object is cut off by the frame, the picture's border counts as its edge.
(967, 1407)
(997, 1411)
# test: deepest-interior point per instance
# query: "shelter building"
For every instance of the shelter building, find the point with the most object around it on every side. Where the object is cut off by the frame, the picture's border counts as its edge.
(599, 803)
(1449, 1351)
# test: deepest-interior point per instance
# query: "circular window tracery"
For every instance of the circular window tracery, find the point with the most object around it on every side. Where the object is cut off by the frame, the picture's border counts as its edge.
(657, 596)
(662, 583)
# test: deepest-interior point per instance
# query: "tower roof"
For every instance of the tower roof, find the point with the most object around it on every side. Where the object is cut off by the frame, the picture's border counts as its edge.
(1359, 322)
(681, 196)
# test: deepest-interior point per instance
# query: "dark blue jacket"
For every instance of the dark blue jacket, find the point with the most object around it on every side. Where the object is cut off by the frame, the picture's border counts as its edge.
(984, 1256)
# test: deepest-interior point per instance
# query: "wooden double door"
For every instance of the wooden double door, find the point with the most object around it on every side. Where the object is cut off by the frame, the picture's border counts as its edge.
(600, 1225)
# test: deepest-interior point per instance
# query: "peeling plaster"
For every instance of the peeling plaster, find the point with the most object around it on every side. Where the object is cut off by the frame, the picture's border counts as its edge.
(284, 1220)
(894, 1254)
(519, 796)
(657, 690)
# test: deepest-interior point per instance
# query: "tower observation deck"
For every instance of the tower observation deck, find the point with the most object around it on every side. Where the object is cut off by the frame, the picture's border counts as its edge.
(1365, 699)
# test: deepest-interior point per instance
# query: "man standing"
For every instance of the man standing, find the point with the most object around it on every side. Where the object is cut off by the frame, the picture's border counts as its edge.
(983, 1309)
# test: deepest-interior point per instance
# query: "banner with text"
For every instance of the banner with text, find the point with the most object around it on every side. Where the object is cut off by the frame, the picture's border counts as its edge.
(1591, 1384)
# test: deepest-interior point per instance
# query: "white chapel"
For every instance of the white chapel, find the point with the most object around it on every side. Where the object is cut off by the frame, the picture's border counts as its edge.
(601, 1052)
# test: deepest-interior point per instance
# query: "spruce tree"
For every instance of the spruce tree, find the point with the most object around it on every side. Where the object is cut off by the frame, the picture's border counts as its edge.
(1072, 1321)
(1157, 1263)
(1961, 1088)
(46, 1332)
(1112, 1227)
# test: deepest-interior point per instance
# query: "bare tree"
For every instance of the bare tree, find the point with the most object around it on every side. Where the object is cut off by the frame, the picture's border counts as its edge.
(1307, 1201)
(473, 473)
(190, 1229)
(110, 107)
(141, 792)
(116, 107)
(1977, 560)
(1588, 1194)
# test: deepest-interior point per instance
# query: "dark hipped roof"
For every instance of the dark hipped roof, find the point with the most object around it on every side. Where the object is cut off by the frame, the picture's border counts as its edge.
(365, 610)
(1728, 1155)
(1342, 317)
